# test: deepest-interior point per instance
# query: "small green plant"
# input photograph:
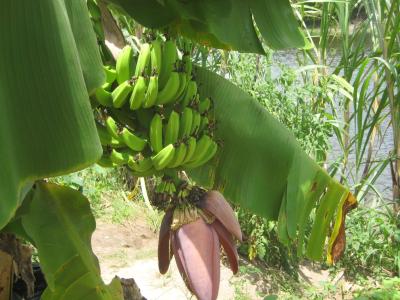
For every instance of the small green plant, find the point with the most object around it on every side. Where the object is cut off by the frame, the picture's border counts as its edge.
(390, 289)
(262, 243)
(373, 243)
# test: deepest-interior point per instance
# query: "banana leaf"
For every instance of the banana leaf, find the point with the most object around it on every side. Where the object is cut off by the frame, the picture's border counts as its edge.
(59, 222)
(278, 33)
(261, 166)
(46, 123)
(86, 43)
(226, 24)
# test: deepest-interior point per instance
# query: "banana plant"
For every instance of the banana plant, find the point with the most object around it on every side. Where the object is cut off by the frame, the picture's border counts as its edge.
(51, 65)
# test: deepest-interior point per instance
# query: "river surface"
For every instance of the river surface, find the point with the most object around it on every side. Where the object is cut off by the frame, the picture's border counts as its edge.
(384, 182)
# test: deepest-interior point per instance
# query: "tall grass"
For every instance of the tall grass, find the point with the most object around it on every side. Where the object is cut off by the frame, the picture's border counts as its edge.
(368, 61)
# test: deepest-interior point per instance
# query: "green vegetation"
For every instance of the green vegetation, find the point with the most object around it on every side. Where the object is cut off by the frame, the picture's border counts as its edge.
(373, 244)
(318, 105)
(337, 94)
(115, 195)
(251, 125)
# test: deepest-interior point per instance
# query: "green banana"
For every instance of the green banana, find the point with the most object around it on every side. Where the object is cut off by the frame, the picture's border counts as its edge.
(156, 56)
(203, 124)
(191, 148)
(172, 129)
(111, 74)
(179, 156)
(204, 105)
(107, 86)
(190, 93)
(169, 57)
(123, 65)
(105, 162)
(106, 139)
(170, 188)
(144, 117)
(151, 92)
(163, 157)
(160, 188)
(138, 93)
(132, 140)
(123, 117)
(195, 122)
(112, 128)
(149, 172)
(121, 93)
(140, 165)
(173, 188)
(167, 188)
(103, 97)
(182, 86)
(156, 133)
(185, 122)
(187, 65)
(168, 93)
(209, 154)
(143, 59)
(120, 157)
(201, 148)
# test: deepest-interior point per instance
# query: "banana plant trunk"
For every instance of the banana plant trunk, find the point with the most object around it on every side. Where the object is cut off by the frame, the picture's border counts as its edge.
(6, 274)
(15, 259)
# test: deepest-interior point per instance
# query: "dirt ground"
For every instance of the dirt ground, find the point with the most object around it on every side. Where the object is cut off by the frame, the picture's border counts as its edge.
(129, 250)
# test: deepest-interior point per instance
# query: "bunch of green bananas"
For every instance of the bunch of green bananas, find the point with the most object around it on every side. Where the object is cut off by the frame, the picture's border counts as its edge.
(152, 115)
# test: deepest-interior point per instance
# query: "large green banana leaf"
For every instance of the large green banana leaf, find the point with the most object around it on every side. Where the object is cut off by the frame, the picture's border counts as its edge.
(59, 222)
(261, 166)
(86, 43)
(226, 24)
(46, 123)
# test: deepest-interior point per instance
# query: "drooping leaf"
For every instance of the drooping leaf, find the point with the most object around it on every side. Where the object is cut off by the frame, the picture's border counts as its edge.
(46, 123)
(337, 241)
(226, 24)
(261, 166)
(277, 23)
(59, 221)
(229, 21)
(85, 40)
(325, 213)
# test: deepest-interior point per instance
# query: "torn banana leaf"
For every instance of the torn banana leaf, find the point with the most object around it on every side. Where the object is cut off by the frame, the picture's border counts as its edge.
(226, 24)
(59, 222)
(46, 122)
(261, 166)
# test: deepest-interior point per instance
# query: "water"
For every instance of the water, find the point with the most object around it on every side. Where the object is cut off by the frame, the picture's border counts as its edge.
(384, 182)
